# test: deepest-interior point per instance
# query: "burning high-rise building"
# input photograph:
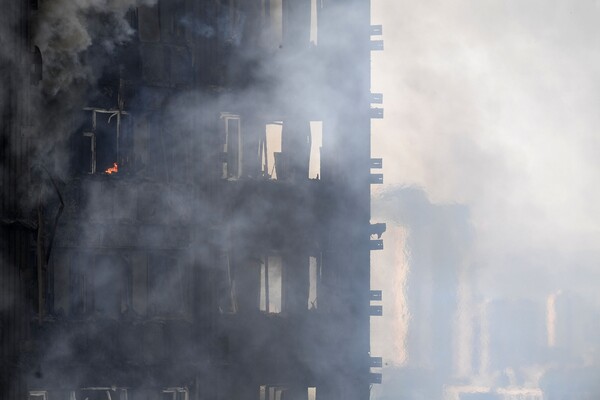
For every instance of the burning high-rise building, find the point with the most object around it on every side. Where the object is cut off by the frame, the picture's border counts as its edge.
(161, 235)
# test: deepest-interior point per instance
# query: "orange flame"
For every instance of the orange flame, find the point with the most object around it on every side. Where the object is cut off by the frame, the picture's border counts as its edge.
(113, 170)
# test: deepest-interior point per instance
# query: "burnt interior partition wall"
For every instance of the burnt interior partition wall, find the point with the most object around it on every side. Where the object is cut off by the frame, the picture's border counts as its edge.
(185, 249)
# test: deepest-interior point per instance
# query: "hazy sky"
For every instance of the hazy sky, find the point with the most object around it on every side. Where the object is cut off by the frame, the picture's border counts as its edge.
(494, 105)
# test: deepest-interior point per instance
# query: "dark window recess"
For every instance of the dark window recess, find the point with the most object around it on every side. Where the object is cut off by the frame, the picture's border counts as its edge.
(231, 25)
(172, 20)
(166, 285)
(100, 393)
(181, 66)
(99, 285)
(376, 311)
(376, 179)
(376, 30)
(36, 66)
(164, 153)
(375, 377)
(106, 141)
(80, 299)
(110, 294)
(376, 244)
(97, 394)
(148, 24)
(232, 146)
(225, 286)
(246, 274)
(88, 152)
(377, 229)
(376, 163)
(154, 64)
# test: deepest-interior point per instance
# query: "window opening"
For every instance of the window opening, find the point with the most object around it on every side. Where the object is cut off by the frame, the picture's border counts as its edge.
(274, 24)
(171, 14)
(166, 286)
(262, 392)
(99, 285)
(312, 393)
(100, 393)
(267, 392)
(314, 15)
(175, 393)
(102, 144)
(232, 146)
(276, 393)
(92, 148)
(313, 273)
(271, 147)
(109, 287)
(271, 284)
(316, 135)
(148, 23)
(227, 300)
(38, 395)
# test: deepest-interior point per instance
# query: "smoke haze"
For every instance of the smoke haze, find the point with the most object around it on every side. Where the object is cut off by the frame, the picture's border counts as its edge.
(493, 105)
(490, 151)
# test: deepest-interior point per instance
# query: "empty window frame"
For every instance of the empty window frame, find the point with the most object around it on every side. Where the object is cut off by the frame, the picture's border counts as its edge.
(107, 143)
(316, 142)
(270, 147)
(175, 393)
(271, 284)
(312, 393)
(268, 392)
(273, 11)
(232, 146)
(100, 393)
(38, 395)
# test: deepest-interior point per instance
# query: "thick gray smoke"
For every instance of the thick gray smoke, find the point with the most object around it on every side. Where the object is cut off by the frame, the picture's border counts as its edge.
(67, 28)
(495, 109)
(479, 100)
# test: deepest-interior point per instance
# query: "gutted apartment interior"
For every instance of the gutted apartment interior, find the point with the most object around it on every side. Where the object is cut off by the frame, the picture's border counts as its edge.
(208, 233)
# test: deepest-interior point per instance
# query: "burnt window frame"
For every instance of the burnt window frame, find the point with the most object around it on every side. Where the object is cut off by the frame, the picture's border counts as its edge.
(123, 141)
(229, 152)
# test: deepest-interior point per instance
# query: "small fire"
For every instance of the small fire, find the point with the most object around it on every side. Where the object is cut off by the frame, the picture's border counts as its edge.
(113, 170)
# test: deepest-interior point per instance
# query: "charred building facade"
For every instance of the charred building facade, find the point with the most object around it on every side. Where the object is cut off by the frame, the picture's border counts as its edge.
(166, 231)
